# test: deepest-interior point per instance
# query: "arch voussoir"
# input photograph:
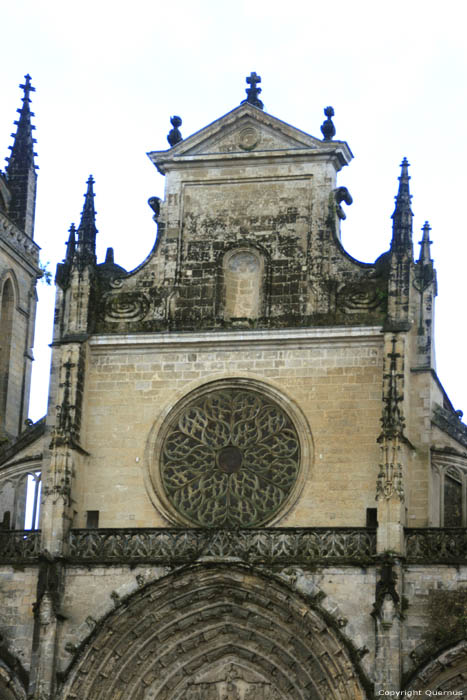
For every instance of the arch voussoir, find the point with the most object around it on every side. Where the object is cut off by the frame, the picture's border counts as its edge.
(164, 642)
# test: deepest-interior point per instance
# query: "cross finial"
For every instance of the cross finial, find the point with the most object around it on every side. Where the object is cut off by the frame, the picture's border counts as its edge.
(253, 79)
(253, 91)
(27, 87)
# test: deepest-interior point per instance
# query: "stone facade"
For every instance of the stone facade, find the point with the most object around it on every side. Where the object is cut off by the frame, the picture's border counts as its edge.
(254, 484)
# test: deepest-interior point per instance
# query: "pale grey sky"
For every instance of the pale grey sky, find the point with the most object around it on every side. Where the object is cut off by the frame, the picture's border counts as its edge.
(108, 76)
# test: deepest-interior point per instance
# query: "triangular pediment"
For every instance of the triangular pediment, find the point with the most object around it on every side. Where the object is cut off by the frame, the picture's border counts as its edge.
(246, 129)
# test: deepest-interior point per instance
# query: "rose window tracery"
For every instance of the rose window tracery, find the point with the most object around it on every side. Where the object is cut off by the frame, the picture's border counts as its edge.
(230, 459)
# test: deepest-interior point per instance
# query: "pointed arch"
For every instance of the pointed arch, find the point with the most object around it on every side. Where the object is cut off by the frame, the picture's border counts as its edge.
(13, 678)
(194, 631)
(446, 673)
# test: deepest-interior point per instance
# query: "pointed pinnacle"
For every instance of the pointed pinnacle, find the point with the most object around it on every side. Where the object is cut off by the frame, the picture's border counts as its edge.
(403, 195)
(71, 243)
(402, 216)
(425, 245)
(87, 228)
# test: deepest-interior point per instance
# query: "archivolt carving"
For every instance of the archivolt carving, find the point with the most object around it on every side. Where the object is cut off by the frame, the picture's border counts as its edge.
(230, 458)
(447, 674)
(214, 633)
(10, 686)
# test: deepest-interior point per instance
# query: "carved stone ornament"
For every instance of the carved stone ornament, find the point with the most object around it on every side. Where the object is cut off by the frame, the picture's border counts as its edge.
(126, 306)
(248, 138)
(230, 458)
(229, 682)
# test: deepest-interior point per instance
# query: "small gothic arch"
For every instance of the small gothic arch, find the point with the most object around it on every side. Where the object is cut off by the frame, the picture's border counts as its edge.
(8, 299)
(199, 632)
(20, 493)
(449, 488)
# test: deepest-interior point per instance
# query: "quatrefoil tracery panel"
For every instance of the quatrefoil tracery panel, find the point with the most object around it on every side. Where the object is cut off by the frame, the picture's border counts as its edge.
(230, 458)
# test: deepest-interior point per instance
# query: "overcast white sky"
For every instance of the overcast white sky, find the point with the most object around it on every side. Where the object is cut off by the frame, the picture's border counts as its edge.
(109, 75)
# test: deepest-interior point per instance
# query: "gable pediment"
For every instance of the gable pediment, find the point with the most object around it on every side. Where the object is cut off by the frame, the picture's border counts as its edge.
(249, 132)
(245, 130)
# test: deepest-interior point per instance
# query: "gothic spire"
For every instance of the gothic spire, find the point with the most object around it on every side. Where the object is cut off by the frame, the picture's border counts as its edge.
(402, 217)
(22, 151)
(21, 169)
(425, 244)
(87, 228)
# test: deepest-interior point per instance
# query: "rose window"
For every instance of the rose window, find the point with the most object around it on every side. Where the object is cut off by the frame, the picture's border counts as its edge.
(230, 459)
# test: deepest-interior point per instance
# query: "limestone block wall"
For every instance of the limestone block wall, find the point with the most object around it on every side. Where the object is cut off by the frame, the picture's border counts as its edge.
(133, 382)
(18, 586)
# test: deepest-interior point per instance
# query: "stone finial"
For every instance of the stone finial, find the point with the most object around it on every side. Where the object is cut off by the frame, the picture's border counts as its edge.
(174, 136)
(253, 91)
(327, 127)
(109, 256)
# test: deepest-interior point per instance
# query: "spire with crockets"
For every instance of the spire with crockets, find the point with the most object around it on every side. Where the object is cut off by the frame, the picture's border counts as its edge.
(86, 243)
(21, 169)
(402, 217)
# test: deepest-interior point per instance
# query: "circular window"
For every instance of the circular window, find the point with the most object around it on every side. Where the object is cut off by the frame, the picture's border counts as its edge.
(229, 458)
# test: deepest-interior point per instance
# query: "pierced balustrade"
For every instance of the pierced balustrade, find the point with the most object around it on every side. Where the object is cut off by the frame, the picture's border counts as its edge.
(258, 546)
(19, 545)
(436, 545)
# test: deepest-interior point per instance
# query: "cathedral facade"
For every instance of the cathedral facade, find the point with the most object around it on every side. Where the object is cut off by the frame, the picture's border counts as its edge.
(250, 482)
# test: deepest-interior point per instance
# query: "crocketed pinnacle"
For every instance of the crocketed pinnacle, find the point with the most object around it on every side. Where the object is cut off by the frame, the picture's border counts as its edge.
(402, 217)
(71, 244)
(87, 228)
(425, 243)
(22, 150)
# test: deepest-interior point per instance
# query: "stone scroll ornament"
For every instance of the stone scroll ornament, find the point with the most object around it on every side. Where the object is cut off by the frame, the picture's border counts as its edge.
(230, 459)
(126, 306)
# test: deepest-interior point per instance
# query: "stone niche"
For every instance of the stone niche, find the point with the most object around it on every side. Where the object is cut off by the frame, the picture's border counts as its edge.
(243, 283)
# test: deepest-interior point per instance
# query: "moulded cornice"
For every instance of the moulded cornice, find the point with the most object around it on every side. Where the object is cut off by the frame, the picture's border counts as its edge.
(343, 335)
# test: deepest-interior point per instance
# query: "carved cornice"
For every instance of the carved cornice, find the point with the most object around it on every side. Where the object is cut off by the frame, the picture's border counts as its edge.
(450, 423)
(18, 240)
